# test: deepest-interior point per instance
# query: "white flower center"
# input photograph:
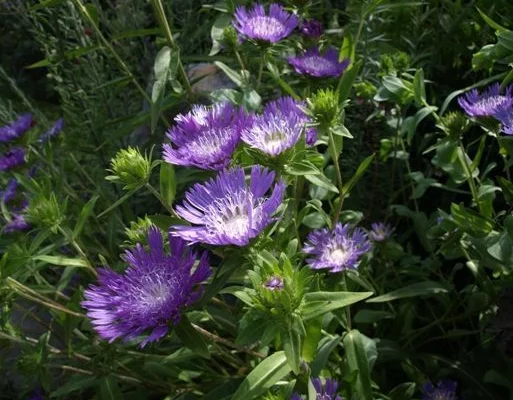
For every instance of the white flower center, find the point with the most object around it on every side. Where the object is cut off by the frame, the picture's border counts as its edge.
(154, 295)
(338, 256)
(317, 63)
(265, 26)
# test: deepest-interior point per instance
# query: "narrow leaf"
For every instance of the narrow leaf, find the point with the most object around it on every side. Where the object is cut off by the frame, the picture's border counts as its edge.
(417, 289)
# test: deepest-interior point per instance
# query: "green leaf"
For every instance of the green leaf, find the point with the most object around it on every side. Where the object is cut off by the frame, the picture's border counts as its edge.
(217, 32)
(322, 181)
(136, 33)
(300, 168)
(230, 73)
(76, 382)
(167, 182)
(426, 288)
(92, 11)
(326, 346)
(62, 261)
(292, 337)
(46, 3)
(313, 335)
(263, 376)
(358, 364)
(358, 174)
(121, 200)
(470, 221)
(347, 50)
(491, 22)
(345, 83)
(84, 214)
(109, 389)
(70, 55)
(419, 87)
(192, 338)
(318, 303)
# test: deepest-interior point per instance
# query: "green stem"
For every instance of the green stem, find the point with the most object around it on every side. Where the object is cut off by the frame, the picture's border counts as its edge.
(161, 15)
(77, 247)
(468, 172)
(340, 182)
(157, 195)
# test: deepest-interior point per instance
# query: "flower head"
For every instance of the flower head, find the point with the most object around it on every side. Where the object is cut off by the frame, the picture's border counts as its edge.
(380, 231)
(17, 223)
(9, 193)
(274, 283)
(328, 391)
(504, 114)
(313, 63)
(53, 131)
(226, 210)
(444, 390)
(256, 24)
(12, 158)
(279, 127)
(15, 129)
(151, 292)
(338, 249)
(486, 103)
(311, 28)
(205, 137)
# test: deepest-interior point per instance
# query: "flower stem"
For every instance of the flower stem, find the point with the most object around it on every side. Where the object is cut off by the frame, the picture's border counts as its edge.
(154, 192)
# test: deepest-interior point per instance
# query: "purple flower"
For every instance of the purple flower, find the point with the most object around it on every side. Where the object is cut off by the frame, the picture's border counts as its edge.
(256, 24)
(380, 231)
(338, 249)
(15, 129)
(151, 292)
(9, 193)
(53, 131)
(311, 28)
(504, 114)
(274, 283)
(313, 63)
(206, 137)
(225, 210)
(279, 127)
(36, 395)
(12, 158)
(444, 390)
(328, 391)
(487, 103)
(16, 224)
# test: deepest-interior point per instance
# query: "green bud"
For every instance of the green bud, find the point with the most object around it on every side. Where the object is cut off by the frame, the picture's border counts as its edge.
(136, 233)
(130, 168)
(230, 37)
(325, 108)
(46, 212)
(365, 89)
(454, 123)
(390, 64)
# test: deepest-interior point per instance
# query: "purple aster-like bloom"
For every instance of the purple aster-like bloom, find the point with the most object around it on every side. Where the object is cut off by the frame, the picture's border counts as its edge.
(53, 131)
(256, 24)
(444, 390)
(380, 231)
(338, 249)
(486, 103)
(16, 129)
(226, 210)
(328, 391)
(313, 63)
(17, 223)
(151, 292)
(279, 127)
(9, 193)
(311, 28)
(12, 158)
(504, 114)
(274, 283)
(206, 137)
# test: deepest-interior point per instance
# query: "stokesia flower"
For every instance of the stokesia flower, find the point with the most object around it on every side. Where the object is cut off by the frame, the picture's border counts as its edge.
(338, 249)
(279, 127)
(16, 128)
(53, 131)
(12, 158)
(226, 210)
(9, 193)
(311, 28)
(444, 390)
(150, 294)
(256, 24)
(206, 137)
(16, 224)
(504, 114)
(380, 231)
(313, 63)
(328, 391)
(486, 103)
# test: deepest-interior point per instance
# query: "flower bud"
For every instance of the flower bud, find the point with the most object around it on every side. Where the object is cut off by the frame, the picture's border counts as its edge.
(46, 212)
(130, 168)
(325, 108)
